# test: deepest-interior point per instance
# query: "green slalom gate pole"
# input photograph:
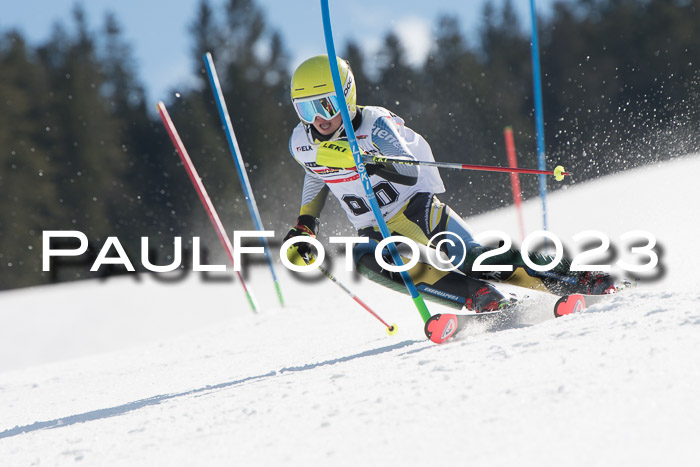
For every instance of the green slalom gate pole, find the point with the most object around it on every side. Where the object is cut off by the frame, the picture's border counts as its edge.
(364, 177)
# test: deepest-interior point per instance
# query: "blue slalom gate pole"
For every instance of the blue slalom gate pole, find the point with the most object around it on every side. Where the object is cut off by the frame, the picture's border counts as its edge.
(240, 166)
(539, 118)
(364, 177)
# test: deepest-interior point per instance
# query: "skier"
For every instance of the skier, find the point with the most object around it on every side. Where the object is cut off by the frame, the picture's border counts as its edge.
(406, 195)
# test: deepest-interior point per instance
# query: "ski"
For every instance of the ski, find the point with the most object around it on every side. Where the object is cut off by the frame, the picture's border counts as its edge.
(574, 303)
(442, 327)
(439, 328)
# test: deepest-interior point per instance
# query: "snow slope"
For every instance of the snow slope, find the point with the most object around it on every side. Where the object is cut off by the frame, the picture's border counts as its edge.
(127, 372)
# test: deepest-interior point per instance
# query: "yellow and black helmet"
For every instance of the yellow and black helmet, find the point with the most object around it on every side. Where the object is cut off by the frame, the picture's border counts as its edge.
(313, 93)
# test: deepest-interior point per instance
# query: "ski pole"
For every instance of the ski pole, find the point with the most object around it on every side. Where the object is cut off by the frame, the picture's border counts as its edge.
(558, 172)
(240, 166)
(202, 192)
(390, 329)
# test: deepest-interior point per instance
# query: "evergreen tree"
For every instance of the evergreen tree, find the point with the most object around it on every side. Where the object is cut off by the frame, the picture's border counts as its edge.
(29, 192)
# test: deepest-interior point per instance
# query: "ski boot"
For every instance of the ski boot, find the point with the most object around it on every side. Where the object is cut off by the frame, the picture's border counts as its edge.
(597, 283)
(487, 298)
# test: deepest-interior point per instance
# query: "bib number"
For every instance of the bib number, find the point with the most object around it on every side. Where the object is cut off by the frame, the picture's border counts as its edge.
(384, 192)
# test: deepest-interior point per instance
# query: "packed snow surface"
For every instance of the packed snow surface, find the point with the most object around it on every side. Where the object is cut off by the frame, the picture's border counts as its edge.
(139, 371)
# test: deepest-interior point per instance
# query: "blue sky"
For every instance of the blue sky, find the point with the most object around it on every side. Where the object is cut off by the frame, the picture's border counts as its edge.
(158, 31)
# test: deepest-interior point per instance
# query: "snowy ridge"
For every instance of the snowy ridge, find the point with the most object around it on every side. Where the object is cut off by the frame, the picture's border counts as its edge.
(206, 382)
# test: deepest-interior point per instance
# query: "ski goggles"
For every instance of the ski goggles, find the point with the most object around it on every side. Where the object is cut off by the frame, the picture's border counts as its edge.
(326, 107)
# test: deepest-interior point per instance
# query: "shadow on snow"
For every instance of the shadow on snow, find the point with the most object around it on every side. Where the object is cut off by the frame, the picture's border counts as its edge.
(155, 400)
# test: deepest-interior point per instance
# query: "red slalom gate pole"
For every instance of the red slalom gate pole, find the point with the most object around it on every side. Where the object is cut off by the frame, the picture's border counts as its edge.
(514, 179)
(202, 192)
